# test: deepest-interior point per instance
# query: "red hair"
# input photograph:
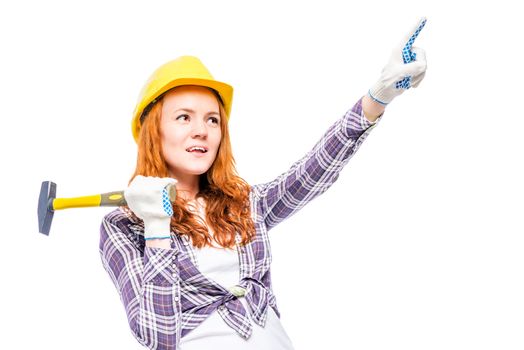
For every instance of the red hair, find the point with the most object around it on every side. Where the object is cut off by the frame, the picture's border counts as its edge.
(225, 193)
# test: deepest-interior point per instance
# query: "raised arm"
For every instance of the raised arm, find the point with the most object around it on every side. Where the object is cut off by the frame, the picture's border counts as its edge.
(316, 171)
(319, 169)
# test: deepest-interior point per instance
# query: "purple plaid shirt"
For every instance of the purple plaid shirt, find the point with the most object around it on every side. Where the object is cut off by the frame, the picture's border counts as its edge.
(165, 295)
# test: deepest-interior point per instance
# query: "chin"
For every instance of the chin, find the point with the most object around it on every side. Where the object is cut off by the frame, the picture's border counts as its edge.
(199, 171)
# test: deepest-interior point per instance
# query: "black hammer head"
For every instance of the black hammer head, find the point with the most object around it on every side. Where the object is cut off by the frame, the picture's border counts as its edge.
(45, 206)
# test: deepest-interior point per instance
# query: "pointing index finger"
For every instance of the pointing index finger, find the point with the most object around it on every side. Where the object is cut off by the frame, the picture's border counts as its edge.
(407, 55)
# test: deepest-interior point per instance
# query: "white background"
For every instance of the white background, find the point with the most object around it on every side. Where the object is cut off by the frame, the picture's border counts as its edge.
(417, 246)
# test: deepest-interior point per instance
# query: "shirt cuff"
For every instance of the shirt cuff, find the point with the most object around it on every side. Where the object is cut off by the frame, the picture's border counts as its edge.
(355, 124)
(366, 122)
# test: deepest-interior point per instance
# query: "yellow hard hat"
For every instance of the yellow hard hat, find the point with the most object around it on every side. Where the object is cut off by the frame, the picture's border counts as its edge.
(184, 70)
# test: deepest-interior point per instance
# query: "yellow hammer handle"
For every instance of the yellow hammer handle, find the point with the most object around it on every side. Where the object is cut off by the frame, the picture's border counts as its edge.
(78, 202)
(110, 199)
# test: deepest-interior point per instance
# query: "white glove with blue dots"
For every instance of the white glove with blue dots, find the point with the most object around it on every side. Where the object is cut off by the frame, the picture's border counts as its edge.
(149, 198)
(406, 68)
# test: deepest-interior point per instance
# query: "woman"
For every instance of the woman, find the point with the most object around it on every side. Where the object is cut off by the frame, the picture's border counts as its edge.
(194, 273)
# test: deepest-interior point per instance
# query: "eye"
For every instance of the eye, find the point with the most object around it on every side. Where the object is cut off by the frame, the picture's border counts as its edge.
(214, 120)
(182, 115)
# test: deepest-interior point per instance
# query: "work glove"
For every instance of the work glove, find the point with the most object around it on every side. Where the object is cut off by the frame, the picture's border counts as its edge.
(148, 197)
(406, 68)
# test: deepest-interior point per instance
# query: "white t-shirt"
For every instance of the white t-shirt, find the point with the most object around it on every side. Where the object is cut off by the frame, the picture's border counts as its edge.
(222, 266)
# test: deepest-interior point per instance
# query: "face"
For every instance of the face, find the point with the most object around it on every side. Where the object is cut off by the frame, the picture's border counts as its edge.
(190, 117)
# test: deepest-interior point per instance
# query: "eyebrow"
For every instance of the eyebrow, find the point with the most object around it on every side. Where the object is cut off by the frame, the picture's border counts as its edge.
(192, 111)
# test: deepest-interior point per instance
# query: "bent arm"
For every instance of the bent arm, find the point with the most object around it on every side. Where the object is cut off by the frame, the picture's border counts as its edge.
(147, 285)
(316, 171)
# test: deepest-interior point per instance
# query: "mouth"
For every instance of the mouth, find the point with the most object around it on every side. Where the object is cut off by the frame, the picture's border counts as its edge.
(197, 149)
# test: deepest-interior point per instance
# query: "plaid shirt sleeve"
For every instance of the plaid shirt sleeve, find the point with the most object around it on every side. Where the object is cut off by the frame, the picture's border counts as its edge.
(316, 171)
(147, 284)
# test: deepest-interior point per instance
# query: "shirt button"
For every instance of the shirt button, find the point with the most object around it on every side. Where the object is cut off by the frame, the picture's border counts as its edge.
(221, 307)
(177, 299)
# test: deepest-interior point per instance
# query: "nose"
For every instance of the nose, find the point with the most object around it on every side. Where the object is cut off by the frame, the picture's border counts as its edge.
(199, 128)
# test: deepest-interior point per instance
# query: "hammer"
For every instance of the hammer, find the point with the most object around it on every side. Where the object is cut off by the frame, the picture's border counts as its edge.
(48, 203)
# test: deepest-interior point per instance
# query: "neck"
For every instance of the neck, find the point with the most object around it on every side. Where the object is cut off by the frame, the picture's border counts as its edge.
(187, 186)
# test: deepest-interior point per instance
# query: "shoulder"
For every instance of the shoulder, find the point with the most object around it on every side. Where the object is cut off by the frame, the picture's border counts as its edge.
(255, 191)
(118, 217)
(120, 221)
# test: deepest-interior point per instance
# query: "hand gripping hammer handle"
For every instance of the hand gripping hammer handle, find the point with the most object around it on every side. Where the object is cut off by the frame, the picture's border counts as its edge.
(48, 203)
